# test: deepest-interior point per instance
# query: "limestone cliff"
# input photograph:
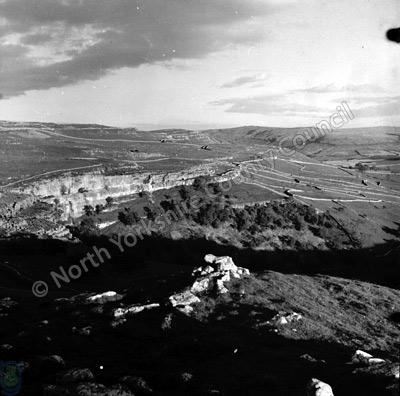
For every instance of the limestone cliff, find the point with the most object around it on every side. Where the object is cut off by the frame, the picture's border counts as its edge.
(74, 191)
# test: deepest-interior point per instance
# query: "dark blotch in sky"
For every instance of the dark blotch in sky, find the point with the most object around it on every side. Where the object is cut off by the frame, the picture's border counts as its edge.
(393, 35)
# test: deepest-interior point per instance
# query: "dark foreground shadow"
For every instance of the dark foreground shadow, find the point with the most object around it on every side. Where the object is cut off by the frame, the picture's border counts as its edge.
(226, 352)
(159, 257)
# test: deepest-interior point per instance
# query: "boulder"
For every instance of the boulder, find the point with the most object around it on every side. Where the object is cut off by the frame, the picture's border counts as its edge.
(167, 322)
(7, 305)
(200, 286)
(318, 388)
(94, 389)
(285, 318)
(90, 389)
(186, 310)
(54, 390)
(133, 309)
(24, 366)
(104, 298)
(137, 384)
(225, 263)
(202, 271)
(183, 299)
(221, 289)
(77, 375)
(53, 360)
(209, 258)
(365, 358)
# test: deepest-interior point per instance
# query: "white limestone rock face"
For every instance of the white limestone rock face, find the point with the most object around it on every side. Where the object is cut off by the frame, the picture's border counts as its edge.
(318, 388)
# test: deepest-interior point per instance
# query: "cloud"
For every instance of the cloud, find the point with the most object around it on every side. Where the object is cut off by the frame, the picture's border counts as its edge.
(277, 104)
(53, 43)
(36, 38)
(379, 110)
(360, 88)
(244, 80)
(360, 100)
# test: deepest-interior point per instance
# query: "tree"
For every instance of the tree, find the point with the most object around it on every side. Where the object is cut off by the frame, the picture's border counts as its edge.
(128, 217)
(88, 228)
(184, 192)
(199, 182)
(63, 189)
(89, 210)
(99, 208)
(109, 202)
(150, 214)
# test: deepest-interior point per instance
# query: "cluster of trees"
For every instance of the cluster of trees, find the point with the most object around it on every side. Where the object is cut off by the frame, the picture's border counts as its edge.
(128, 217)
(87, 229)
(363, 167)
(256, 218)
(215, 212)
(251, 220)
(89, 210)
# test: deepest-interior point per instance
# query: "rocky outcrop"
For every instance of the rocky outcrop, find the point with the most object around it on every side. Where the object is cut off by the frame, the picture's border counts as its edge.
(212, 278)
(382, 370)
(74, 191)
(12, 203)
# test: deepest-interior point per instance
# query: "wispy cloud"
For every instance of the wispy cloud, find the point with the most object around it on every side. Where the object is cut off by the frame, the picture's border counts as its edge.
(379, 110)
(360, 88)
(274, 104)
(85, 40)
(361, 100)
(255, 78)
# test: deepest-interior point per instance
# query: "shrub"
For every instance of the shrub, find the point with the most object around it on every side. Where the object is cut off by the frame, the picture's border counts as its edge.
(89, 210)
(128, 217)
(150, 213)
(87, 228)
(99, 209)
(184, 192)
(109, 202)
(199, 182)
(63, 189)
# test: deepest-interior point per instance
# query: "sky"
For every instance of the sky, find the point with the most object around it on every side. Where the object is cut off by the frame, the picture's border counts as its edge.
(199, 64)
